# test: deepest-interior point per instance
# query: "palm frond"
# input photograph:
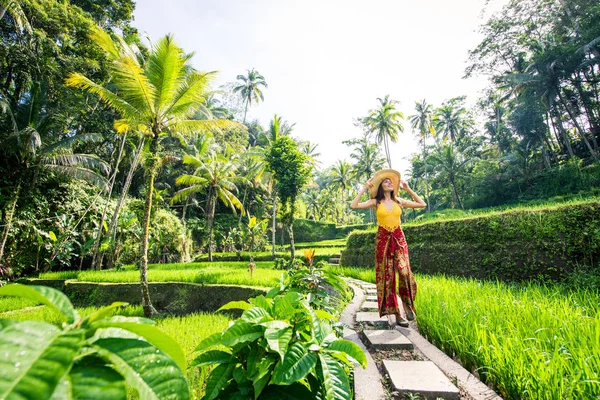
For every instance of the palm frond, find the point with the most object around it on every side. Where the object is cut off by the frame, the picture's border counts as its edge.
(76, 160)
(165, 71)
(191, 93)
(186, 192)
(216, 125)
(80, 173)
(190, 180)
(68, 143)
(79, 81)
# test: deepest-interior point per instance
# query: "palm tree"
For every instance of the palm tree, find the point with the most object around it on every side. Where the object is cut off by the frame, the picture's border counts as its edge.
(250, 170)
(368, 158)
(214, 173)
(13, 8)
(249, 88)
(423, 122)
(449, 121)
(155, 100)
(341, 178)
(452, 164)
(384, 123)
(32, 152)
(310, 151)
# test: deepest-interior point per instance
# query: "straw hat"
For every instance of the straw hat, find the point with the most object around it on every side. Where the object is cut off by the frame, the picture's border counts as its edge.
(379, 177)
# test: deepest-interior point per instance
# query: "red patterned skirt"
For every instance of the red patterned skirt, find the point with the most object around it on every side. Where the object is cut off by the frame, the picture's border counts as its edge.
(391, 257)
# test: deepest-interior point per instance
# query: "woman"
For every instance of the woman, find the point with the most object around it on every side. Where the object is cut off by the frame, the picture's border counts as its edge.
(391, 250)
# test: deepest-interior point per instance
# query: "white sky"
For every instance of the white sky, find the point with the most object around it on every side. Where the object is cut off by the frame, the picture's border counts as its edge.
(327, 61)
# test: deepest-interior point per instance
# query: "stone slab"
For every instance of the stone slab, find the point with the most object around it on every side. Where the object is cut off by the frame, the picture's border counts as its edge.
(371, 298)
(371, 318)
(382, 339)
(369, 306)
(476, 389)
(372, 292)
(422, 377)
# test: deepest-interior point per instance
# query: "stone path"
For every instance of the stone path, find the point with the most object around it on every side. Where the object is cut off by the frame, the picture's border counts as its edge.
(414, 366)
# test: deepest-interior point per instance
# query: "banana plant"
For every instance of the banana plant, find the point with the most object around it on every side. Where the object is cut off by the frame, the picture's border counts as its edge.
(280, 348)
(95, 357)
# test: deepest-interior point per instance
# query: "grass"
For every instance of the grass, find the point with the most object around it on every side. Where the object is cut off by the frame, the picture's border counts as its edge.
(188, 331)
(15, 303)
(341, 243)
(528, 340)
(364, 274)
(226, 273)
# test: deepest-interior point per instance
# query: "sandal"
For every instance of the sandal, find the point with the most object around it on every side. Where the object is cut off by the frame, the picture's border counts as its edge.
(410, 315)
(401, 322)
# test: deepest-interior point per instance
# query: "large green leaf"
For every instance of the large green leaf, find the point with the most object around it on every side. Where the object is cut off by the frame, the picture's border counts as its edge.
(35, 356)
(284, 307)
(152, 334)
(297, 363)
(352, 349)
(91, 378)
(210, 341)
(45, 295)
(335, 379)
(256, 315)
(241, 332)
(211, 357)
(261, 301)
(103, 312)
(314, 321)
(279, 339)
(150, 371)
(243, 305)
(263, 374)
(217, 380)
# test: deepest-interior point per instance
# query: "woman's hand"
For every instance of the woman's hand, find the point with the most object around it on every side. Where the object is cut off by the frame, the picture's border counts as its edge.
(404, 186)
(369, 184)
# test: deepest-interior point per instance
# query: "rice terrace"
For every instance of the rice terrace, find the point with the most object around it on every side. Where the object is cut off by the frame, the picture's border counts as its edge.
(300, 200)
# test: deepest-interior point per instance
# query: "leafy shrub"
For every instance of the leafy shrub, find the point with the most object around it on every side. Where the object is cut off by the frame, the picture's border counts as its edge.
(280, 348)
(287, 264)
(541, 244)
(91, 357)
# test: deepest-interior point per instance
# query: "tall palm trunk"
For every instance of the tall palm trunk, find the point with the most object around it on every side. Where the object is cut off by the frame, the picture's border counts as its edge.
(243, 205)
(112, 229)
(563, 133)
(9, 219)
(453, 182)
(578, 128)
(211, 220)
(274, 222)
(246, 110)
(292, 247)
(151, 175)
(426, 176)
(110, 189)
(185, 257)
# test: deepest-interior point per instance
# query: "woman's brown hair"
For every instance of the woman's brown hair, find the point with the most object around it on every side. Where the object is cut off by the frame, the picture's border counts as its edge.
(381, 195)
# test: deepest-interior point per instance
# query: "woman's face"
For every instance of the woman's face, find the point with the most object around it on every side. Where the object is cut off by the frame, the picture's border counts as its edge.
(387, 185)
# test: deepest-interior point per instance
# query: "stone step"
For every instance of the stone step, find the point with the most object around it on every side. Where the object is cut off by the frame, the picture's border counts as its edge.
(371, 298)
(335, 260)
(422, 377)
(372, 292)
(388, 339)
(371, 318)
(369, 306)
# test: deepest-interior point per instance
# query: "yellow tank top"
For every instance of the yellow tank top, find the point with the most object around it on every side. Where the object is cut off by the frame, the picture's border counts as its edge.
(387, 219)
